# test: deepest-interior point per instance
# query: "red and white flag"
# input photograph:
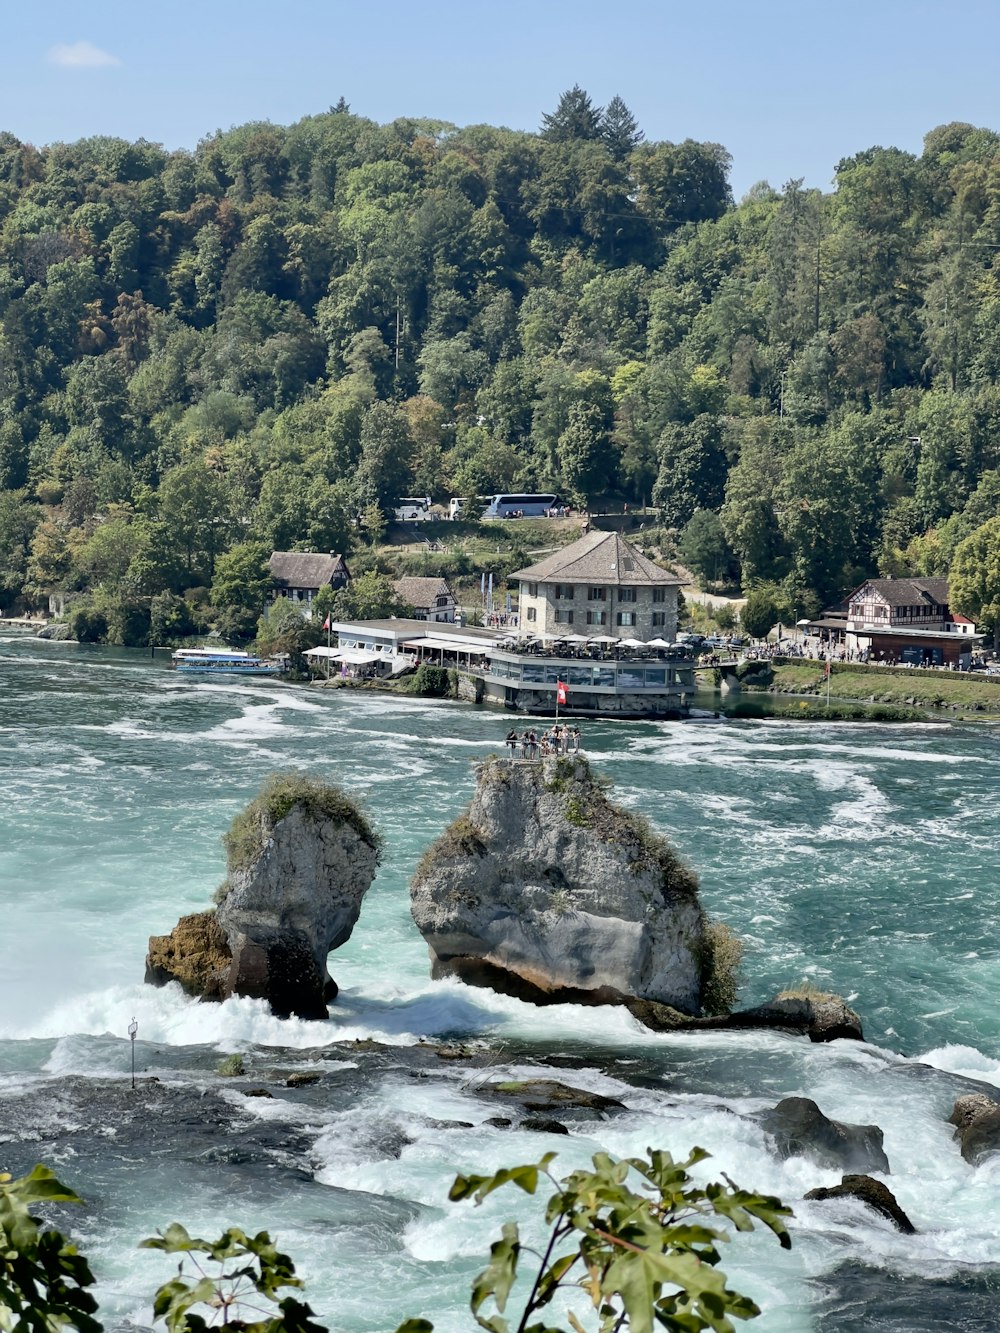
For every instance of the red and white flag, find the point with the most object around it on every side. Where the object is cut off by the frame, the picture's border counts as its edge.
(326, 623)
(560, 692)
(827, 670)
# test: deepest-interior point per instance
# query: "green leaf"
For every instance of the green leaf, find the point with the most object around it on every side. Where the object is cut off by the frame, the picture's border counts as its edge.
(498, 1277)
(525, 1177)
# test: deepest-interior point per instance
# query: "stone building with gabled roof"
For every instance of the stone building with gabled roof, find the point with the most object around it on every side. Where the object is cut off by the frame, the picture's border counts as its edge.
(430, 598)
(598, 585)
(299, 575)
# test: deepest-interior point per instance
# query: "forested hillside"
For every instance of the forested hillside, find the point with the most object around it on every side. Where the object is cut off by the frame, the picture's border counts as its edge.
(204, 355)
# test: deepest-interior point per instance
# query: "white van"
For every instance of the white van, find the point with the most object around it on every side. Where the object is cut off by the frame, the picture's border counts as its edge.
(456, 507)
(412, 509)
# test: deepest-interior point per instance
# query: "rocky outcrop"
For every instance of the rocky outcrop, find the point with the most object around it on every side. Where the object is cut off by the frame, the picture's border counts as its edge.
(800, 1129)
(819, 1017)
(196, 953)
(870, 1192)
(545, 890)
(301, 857)
(976, 1118)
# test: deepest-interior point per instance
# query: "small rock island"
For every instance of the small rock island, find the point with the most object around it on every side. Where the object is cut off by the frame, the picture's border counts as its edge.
(300, 860)
(546, 890)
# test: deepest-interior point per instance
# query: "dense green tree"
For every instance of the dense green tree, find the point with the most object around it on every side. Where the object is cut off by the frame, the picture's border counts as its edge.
(370, 596)
(620, 129)
(704, 548)
(974, 579)
(575, 117)
(764, 607)
(586, 458)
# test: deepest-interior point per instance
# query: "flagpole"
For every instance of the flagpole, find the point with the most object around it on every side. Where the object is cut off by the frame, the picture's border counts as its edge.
(328, 647)
(829, 677)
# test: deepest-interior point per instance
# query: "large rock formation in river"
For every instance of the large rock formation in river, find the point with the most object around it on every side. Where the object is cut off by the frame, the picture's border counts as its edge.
(545, 890)
(301, 858)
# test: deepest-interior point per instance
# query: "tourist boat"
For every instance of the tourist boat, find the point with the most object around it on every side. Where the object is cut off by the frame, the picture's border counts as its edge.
(225, 662)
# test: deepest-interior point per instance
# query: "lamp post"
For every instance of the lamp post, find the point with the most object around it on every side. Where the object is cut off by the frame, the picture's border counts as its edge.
(133, 1028)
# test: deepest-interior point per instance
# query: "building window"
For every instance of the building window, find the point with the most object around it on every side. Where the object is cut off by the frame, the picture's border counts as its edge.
(565, 592)
(597, 594)
(659, 619)
(659, 594)
(532, 613)
(626, 617)
(597, 617)
(564, 617)
(532, 589)
(626, 595)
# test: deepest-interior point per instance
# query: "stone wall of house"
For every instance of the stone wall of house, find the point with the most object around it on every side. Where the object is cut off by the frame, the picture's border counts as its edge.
(550, 611)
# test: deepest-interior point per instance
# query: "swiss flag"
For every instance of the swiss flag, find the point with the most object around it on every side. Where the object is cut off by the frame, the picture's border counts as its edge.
(326, 623)
(560, 692)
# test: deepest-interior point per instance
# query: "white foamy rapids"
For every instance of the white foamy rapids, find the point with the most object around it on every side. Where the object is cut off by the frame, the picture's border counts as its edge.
(966, 1062)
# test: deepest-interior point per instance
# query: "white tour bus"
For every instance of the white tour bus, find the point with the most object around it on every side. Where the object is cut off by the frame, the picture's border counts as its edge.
(412, 509)
(521, 505)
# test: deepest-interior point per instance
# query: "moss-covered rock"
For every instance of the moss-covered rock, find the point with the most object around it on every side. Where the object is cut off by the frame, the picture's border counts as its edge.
(545, 889)
(301, 857)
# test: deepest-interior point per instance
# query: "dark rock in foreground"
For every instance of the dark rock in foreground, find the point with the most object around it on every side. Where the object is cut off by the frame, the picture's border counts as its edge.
(976, 1118)
(545, 890)
(870, 1192)
(799, 1128)
(301, 857)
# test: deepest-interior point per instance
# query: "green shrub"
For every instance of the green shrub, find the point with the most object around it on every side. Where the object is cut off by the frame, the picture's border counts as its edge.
(721, 960)
(460, 838)
(87, 625)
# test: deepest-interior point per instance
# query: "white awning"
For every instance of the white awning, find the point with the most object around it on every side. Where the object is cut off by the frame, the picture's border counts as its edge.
(358, 656)
(451, 643)
(354, 656)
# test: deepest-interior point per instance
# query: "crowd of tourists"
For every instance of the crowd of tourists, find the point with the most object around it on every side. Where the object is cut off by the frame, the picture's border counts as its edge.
(558, 739)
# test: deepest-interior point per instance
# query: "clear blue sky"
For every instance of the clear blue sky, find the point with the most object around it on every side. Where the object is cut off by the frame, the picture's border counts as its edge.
(788, 86)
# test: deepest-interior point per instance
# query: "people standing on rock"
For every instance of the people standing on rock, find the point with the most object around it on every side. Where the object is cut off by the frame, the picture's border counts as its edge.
(512, 742)
(576, 740)
(532, 744)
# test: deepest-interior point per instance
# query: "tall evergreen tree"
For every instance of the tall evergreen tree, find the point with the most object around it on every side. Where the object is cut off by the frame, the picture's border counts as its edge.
(575, 117)
(620, 129)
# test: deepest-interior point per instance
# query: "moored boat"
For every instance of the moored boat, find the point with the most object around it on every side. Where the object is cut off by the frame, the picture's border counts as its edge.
(224, 662)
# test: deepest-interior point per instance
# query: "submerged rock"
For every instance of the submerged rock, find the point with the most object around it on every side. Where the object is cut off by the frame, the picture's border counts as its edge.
(800, 1129)
(819, 1017)
(545, 890)
(976, 1118)
(544, 1094)
(870, 1192)
(301, 857)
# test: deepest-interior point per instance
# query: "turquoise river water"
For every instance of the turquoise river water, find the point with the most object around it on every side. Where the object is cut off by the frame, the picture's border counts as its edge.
(863, 858)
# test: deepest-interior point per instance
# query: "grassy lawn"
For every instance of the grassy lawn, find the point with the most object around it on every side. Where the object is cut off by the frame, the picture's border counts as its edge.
(975, 693)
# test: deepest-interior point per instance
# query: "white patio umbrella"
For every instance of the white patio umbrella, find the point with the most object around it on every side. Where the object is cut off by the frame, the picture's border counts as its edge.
(602, 638)
(575, 638)
(657, 643)
(631, 643)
